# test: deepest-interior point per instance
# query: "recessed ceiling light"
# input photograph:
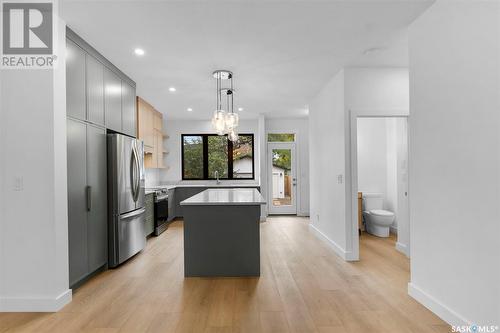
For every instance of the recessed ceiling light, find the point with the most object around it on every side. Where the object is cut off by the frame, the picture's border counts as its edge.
(172, 89)
(139, 52)
(240, 109)
(189, 109)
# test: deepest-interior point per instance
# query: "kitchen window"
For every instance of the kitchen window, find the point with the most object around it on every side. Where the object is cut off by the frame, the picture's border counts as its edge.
(204, 155)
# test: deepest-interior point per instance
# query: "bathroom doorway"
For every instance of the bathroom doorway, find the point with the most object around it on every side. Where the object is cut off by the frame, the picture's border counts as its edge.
(379, 180)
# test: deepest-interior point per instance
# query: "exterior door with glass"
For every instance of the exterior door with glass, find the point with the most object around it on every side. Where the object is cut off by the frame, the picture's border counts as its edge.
(282, 178)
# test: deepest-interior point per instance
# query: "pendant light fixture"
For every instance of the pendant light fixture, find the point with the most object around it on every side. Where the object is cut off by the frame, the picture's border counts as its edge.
(225, 121)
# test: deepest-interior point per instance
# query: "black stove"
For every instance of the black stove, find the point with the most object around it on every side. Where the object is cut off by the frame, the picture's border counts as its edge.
(161, 211)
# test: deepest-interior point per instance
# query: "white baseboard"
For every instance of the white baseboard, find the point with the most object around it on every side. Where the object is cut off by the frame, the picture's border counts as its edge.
(441, 310)
(35, 304)
(403, 249)
(334, 246)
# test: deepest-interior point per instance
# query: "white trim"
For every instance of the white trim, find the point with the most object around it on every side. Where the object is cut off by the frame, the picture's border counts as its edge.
(35, 304)
(294, 208)
(441, 310)
(334, 246)
(298, 165)
(352, 236)
(403, 249)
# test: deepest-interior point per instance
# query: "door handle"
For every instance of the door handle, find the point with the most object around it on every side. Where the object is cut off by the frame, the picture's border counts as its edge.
(88, 191)
(132, 214)
(137, 175)
(132, 173)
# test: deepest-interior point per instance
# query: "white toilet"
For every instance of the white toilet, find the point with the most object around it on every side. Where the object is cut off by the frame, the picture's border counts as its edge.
(378, 220)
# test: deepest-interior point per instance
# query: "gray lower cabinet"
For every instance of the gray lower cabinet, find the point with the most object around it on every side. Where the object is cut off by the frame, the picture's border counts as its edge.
(95, 91)
(150, 213)
(87, 199)
(75, 81)
(113, 100)
(181, 194)
(129, 113)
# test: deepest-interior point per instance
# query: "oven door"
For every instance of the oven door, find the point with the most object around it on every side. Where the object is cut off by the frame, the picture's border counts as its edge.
(161, 215)
(161, 211)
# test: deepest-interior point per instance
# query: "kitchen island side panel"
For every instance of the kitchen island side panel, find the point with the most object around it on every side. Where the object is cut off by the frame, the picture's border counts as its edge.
(222, 240)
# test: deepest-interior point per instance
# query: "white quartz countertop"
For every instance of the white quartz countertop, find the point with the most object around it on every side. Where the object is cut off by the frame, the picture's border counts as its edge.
(221, 185)
(226, 196)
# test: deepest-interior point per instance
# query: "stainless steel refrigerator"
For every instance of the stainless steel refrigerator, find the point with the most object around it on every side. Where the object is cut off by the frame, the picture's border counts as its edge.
(126, 213)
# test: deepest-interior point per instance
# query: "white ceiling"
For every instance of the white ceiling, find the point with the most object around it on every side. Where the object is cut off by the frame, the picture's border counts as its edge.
(281, 52)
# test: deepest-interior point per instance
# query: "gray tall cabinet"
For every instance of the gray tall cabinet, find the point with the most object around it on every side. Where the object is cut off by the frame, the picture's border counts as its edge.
(99, 98)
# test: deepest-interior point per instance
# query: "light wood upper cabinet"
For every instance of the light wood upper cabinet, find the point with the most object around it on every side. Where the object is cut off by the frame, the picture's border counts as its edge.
(150, 131)
(159, 149)
(145, 123)
(158, 121)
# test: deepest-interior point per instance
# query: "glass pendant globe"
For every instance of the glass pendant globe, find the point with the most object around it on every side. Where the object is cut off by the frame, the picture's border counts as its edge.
(232, 120)
(219, 122)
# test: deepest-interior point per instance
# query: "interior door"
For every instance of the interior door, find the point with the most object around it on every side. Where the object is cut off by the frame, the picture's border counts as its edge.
(282, 178)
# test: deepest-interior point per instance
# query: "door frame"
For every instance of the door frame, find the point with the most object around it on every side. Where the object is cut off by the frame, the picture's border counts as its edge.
(352, 233)
(269, 159)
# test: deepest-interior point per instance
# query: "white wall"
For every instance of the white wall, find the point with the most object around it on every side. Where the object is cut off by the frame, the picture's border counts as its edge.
(372, 156)
(380, 89)
(34, 237)
(454, 160)
(299, 126)
(374, 90)
(327, 161)
(378, 140)
(174, 128)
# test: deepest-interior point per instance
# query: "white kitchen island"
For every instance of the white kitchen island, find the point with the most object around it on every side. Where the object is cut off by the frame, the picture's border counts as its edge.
(221, 232)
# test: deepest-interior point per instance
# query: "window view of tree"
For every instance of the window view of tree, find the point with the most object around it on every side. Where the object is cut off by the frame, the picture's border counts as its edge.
(243, 157)
(193, 157)
(282, 158)
(283, 137)
(204, 154)
(217, 156)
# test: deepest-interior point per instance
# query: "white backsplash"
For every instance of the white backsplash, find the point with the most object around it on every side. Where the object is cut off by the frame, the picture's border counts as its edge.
(152, 177)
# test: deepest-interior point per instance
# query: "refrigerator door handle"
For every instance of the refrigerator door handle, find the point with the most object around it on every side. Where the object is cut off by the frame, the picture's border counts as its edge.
(136, 174)
(132, 214)
(88, 191)
(132, 173)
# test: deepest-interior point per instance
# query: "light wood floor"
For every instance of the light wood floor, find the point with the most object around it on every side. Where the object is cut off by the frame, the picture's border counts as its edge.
(304, 287)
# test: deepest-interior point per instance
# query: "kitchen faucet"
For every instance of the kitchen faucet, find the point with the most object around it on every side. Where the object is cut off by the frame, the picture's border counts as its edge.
(217, 177)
